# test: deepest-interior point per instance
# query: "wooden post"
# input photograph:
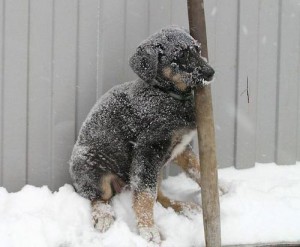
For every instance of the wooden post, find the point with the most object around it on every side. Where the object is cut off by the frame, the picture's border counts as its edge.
(206, 136)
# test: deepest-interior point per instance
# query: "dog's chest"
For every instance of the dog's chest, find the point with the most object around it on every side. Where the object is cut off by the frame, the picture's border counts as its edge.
(180, 141)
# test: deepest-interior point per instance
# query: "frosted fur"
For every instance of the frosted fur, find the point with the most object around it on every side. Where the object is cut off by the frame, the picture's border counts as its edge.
(137, 144)
(129, 130)
(168, 48)
(137, 127)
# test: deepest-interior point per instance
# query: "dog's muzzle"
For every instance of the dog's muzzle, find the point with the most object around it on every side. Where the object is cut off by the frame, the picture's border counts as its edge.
(201, 75)
(208, 73)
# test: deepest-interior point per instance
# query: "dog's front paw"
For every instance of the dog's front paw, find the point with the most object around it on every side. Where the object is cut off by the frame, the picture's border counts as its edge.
(151, 234)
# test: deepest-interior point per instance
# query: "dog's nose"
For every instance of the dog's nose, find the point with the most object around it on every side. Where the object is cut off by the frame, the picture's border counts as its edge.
(208, 73)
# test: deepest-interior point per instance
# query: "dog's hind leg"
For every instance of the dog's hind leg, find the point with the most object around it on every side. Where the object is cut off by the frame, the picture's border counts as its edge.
(178, 206)
(96, 183)
(190, 164)
(103, 215)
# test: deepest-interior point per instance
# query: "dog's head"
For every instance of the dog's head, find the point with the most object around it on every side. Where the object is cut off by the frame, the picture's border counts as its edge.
(171, 56)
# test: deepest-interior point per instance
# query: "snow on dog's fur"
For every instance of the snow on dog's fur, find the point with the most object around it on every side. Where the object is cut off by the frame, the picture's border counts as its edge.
(137, 127)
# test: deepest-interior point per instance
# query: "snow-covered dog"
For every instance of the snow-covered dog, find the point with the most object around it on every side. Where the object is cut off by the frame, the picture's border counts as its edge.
(138, 127)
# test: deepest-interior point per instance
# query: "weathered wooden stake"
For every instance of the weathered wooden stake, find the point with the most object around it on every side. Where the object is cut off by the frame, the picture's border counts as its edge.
(206, 136)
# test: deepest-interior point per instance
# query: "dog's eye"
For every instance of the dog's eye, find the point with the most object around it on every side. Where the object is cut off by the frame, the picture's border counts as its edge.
(160, 57)
(197, 48)
(183, 56)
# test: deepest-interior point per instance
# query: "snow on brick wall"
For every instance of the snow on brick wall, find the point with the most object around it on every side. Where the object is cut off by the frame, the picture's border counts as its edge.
(58, 57)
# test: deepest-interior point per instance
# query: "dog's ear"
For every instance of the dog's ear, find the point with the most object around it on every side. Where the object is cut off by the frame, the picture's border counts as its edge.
(144, 62)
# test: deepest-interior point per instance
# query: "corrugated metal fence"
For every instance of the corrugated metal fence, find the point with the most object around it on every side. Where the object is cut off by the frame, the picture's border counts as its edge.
(58, 56)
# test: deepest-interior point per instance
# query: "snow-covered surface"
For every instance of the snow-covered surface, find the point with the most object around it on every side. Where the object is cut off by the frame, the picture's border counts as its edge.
(262, 205)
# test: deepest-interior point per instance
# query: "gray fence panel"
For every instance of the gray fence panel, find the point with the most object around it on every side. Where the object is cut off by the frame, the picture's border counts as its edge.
(160, 13)
(39, 93)
(100, 48)
(267, 78)
(298, 135)
(137, 29)
(246, 93)
(288, 83)
(86, 87)
(113, 41)
(58, 57)
(223, 54)
(2, 8)
(64, 87)
(179, 13)
(15, 88)
(298, 125)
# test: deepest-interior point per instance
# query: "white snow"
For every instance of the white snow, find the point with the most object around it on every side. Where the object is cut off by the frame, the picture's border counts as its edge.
(262, 205)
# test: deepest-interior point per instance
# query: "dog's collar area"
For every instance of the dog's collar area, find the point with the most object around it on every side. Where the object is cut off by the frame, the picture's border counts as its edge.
(182, 97)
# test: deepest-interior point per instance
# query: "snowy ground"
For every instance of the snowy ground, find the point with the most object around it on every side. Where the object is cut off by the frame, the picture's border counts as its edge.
(262, 205)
